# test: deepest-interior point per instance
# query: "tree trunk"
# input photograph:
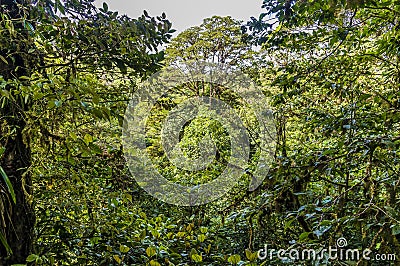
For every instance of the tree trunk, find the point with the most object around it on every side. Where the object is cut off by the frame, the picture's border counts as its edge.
(19, 219)
(19, 229)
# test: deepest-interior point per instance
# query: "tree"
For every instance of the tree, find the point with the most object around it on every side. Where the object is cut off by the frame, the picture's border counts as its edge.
(46, 47)
(217, 40)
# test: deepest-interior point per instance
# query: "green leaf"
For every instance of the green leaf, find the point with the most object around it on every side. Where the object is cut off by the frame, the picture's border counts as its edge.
(151, 251)
(85, 105)
(3, 59)
(322, 230)
(197, 258)
(73, 135)
(98, 113)
(142, 235)
(304, 235)
(203, 230)
(193, 251)
(88, 139)
(154, 263)
(251, 256)
(51, 104)
(105, 7)
(29, 26)
(248, 254)
(8, 183)
(155, 233)
(123, 249)
(2, 150)
(396, 229)
(60, 7)
(96, 98)
(117, 259)
(201, 238)
(95, 149)
(32, 258)
(57, 103)
(5, 244)
(234, 259)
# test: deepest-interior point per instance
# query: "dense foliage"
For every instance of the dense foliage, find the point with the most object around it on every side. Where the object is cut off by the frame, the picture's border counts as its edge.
(67, 69)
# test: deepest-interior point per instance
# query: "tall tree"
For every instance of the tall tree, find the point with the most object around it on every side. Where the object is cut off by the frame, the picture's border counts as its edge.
(217, 40)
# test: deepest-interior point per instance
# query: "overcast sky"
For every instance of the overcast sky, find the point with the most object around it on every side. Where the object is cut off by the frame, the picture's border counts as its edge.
(186, 13)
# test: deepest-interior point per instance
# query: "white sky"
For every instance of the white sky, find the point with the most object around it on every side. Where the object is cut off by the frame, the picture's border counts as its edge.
(186, 13)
